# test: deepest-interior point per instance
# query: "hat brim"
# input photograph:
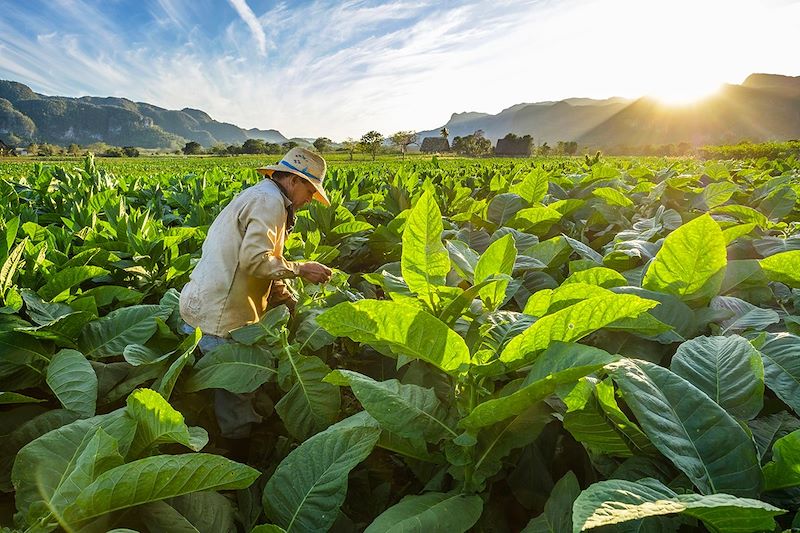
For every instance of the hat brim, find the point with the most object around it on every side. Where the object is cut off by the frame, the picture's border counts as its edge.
(319, 196)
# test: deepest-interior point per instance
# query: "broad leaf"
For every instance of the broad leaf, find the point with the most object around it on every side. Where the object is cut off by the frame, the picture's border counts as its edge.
(691, 262)
(696, 434)
(594, 418)
(783, 267)
(784, 469)
(42, 465)
(728, 369)
(409, 411)
(433, 512)
(157, 422)
(424, 261)
(573, 323)
(559, 364)
(617, 501)
(310, 484)
(311, 405)
(410, 331)
(233, 367)
(73, 381)
(268, 328)
(557, 515)
(67, 278)
(108, 336)
(157, 478)
(503, 207)
(497, 259)
(782, 367)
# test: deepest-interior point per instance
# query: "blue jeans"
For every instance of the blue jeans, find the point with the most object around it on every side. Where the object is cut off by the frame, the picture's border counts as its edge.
(234, 411)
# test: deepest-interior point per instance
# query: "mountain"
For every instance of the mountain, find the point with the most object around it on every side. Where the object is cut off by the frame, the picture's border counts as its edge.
(26, 116)
(544, 121)
(764, 107)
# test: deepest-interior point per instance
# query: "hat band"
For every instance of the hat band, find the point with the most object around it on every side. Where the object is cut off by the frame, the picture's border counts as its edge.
(303, 172)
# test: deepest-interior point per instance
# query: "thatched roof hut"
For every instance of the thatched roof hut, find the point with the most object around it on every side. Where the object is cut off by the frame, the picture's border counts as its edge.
(513, 145)
(6, 149)
(434, 144)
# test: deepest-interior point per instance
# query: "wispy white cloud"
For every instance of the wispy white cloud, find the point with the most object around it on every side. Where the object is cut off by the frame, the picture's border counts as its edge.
(252, 22)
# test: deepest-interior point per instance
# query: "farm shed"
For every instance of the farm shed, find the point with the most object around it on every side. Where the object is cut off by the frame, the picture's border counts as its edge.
(518, 146)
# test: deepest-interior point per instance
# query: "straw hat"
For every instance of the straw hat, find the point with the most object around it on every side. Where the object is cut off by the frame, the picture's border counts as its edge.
(304, 164)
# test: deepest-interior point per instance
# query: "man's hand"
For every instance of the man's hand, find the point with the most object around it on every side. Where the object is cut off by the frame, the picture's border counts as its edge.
(315, 272)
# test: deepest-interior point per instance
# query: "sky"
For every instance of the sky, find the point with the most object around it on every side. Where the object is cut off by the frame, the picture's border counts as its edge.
(340, 69)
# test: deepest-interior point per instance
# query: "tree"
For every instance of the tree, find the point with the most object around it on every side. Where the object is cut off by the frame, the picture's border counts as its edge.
(254, 146)
(402, 139)
(288, 145)
(350, 145)
(473, 145)
(371, 141)
(192, 148)
(544, 149)
(130, 151)
(322, 144)
(73, 149)
(444, 132)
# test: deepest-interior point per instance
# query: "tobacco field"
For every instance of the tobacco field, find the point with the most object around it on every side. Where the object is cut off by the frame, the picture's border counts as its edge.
(541, 345)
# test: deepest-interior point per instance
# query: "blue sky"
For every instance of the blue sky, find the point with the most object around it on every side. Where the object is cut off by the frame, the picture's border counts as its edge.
(342, 68)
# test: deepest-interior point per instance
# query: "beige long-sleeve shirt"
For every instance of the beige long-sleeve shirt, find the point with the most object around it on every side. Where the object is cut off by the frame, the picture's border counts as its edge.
(241, 258)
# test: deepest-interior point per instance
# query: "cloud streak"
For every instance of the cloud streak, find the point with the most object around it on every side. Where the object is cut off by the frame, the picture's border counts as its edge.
(253, 23)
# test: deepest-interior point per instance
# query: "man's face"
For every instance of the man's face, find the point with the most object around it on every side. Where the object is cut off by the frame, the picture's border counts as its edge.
(302, 192)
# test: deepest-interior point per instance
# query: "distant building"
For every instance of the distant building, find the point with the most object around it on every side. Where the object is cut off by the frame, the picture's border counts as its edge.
(20, 151)
(434, 144)
(6, 149)
(513, 145)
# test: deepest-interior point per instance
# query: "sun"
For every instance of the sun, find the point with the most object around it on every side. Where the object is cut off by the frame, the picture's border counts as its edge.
(684, 92)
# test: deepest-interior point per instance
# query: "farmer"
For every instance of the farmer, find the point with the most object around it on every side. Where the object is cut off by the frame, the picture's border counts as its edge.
(241, 268)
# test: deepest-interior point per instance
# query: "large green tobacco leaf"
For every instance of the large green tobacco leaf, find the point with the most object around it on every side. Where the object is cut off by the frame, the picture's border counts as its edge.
(157, 478)
(784, 469)
(768, 429)
(783, 267)
(617, 501)
(166, 383)
(23, 361)
(594, 418)
(311, 405)
(310, 484)
(433, 512)
(42, 466)
(65, 279)
(533, 186)
(7, 398)
(268, 328)
(690, 429)
(782, 367)
(233, 367)
(503, 207)
(409, 411)
(496, 442)
(108, 336)
(691, 262)
(548, 301)
(728, 369)
(573, 323)
(157, 422)
(424, 261)
(198, 512)
(557, 515)
(73, 381)
(43, 312)
(559, 364)
(408, 330)
(497, 259)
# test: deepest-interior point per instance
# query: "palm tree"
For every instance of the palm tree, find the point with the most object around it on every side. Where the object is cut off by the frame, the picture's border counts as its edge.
(444, 132)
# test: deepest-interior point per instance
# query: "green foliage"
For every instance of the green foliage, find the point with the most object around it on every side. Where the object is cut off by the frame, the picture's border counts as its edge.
(490, 325)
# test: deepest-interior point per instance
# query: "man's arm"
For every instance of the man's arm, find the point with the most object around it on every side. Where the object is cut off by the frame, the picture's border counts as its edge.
(263, 220)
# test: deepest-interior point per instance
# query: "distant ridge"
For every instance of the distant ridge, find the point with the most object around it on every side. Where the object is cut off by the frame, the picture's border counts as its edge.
(764, 107)
(26, 116)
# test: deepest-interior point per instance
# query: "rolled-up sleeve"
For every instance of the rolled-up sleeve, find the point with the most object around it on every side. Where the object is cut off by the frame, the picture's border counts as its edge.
(263, 223)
